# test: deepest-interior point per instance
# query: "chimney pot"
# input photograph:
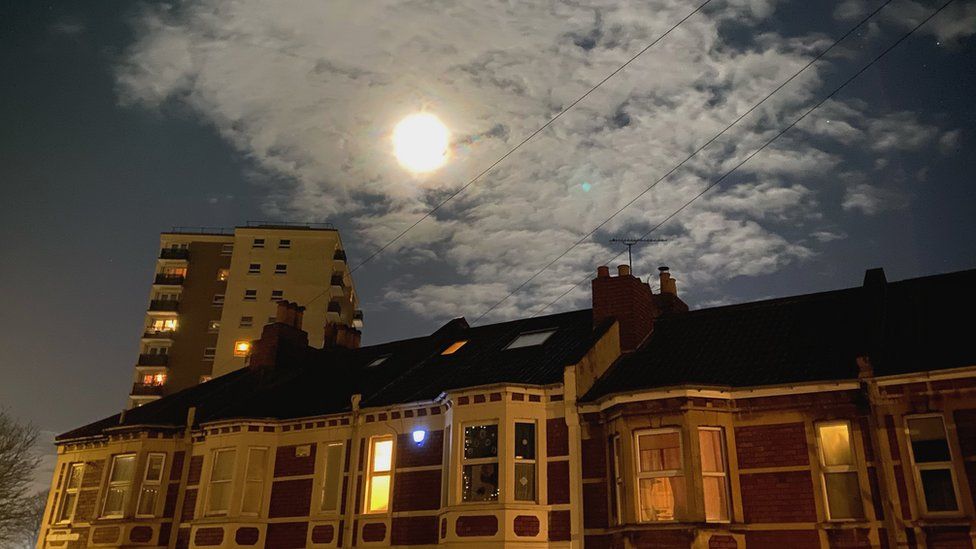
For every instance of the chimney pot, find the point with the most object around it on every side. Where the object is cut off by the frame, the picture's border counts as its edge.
(282, 314)
(603, 271)
(623, 270)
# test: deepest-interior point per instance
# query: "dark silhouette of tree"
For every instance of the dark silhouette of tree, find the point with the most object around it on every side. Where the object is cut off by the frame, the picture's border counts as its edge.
(17, 463)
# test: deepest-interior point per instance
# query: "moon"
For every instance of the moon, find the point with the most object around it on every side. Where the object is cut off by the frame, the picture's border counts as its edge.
(421, 142)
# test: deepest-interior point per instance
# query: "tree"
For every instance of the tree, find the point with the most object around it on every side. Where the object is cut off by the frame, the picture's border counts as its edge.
(17, 463)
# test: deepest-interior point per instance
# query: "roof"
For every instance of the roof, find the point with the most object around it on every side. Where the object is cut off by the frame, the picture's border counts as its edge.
(311, 382)
(907, 326)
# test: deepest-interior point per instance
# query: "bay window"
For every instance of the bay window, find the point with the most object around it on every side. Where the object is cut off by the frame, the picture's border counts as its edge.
(660, 475)
(379, 474)
(714, 474)
(839, 468)
(932, 464)
(119, 485)
(525, 461)
(254, 473)
(69, 498)
(221, 481)
(479, 464)
(151, 483)
(332, 478)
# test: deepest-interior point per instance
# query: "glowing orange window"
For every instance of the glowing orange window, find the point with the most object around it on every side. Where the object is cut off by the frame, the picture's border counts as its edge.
(454, 347)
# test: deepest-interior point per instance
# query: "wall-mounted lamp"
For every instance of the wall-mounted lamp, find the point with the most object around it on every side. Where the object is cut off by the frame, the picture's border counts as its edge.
(419, 436)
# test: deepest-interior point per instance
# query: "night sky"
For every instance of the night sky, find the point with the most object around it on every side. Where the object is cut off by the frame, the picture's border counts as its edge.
(121, 120)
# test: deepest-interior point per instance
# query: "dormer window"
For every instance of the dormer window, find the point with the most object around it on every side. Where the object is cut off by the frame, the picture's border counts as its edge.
(530, 339)
(378, 361)
(454, 347)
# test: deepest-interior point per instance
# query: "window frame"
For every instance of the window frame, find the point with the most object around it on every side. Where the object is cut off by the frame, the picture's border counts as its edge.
(618, 479)
(257, 243)
(372, 474)
(284, 244)
(218, 300)
(126, 484)
(463, 461)
(917, 468)
(454, 347)
(250, 294)
(326, 446)
(146, 482)
(209, 353)
(253, 268)
(669, 473)
(277, 295)
(207, 511)
(260, 481)
(534, 462)
(246, 321)
(281, 268)
(724, 474)
(511, 344)
(62, 517)
(837, 469)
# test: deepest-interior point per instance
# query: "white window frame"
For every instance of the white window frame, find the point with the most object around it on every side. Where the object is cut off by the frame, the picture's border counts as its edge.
(125, 485)
(281, 268)
(257, 243)
(325, 477)
(209, 353)
(917, 468)
(248, 296)
(210, 482)
(828, 469)
(66, 517)
(246, 321)
(616, 451)
(149, 483)
(481, 461)
(724, 474)
(284, 244)
(534, 462)
(638, 474)
(277, 295)
(372, 474)
(259, 481)
(514, 344)
(253, 268)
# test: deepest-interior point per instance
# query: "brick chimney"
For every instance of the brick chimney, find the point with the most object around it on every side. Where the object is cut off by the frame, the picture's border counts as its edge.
(341, 335)
(632, 303)
(285, 331)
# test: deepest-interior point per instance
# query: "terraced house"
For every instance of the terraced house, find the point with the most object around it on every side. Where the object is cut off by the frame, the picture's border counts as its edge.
(839, 419)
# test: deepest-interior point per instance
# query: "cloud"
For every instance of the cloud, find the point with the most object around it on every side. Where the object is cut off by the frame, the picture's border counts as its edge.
(871, 199)
(956, 22)
(311, 93)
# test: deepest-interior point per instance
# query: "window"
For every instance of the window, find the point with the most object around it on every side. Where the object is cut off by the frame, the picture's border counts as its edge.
(284, 243)
(205, 378)
(173, 271)
(530, 339)
(378, 361)
(151, 481)
(226, 249)
(479, 466)
(119, 485)
(617, 487)
(221, 481)
(223, 274)
(250, 295)
(933, 464)
(242, 347)
(454, 347)
(272, 319)
(257, 460)
(155, 380)
(209, 353)
(281, 268)
(277, 295)
(162, 325)
(525, 461)
(218, 299)
(254, 268)
(715, 485)
(839, 469)
(380, 474)
(332, 479)
(660, 477)
(258, 243)
(213, 326)
(69, 498)
(246, 322)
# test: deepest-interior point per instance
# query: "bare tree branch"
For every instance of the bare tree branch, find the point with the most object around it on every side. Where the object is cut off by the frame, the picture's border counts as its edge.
(17, 463)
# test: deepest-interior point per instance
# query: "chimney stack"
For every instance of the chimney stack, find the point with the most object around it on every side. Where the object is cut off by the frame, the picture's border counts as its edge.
(631, 303)
(668, 285)
(341, 335)
(286, 330)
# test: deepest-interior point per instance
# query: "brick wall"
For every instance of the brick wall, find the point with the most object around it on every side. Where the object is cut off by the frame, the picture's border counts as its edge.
(557, 437)
(793, 539)
(596, 511)
(779, 445)
(286, 535)
(288, 464)
(594, 456)
(778, 497)
(417, 490)
(290, 498)
(413, 530)
(411, 454)
(558, 482)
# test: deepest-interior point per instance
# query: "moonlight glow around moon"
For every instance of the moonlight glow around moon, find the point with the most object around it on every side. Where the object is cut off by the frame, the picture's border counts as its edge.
(420, 142)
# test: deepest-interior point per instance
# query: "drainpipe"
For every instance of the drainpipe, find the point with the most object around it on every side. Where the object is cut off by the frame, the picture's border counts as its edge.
(575, 457)
(184, 475)
(883, 466)
(347, 517)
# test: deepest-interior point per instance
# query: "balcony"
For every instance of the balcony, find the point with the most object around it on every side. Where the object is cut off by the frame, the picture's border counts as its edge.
(339, 255)
(164, 305)
(142, 389)
(357, 319)
(168, 280)
(337, 286)
(158, 334)
(174, 253)
(334, 311)
(153, 360)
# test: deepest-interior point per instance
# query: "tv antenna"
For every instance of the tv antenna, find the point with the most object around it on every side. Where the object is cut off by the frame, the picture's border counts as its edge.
(629, 242)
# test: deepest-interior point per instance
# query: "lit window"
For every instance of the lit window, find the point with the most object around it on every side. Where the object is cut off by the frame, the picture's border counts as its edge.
(525, 461)
(223, 274)
(281, 268)
(221, 477)
(378, 361)
(151, 482)
(332, 482)
(277, 295)
(284, 243)
(714, 474)
(119, 485)
(660, 477)
(479, 467)
(209, 353)
(839, 469)
(258, 243)
(379, 474)
(218, 299)
(205, 378)
(242, 348)
(213, 326)
(173, 271)
(530, 339)
(246, 322)
(618, 480)
(162, 325)
(254, 268)
(933, 464)
(69, 498)
(155, 380)
(454, 347)
(257, 460)
(250, 295)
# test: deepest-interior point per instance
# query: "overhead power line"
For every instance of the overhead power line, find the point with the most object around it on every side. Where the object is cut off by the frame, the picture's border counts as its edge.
(764, 145)
(702, 147)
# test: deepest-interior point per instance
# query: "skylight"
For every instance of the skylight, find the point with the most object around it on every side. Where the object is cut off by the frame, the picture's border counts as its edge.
(378, 361)
(454, 347)
(530, 339)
